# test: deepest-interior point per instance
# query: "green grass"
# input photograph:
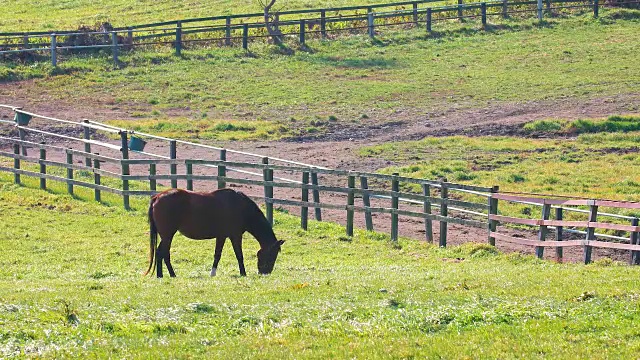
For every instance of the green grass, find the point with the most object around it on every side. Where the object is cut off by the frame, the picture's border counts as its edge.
(70, 287)
(592, 165)
(611, 124)
(407, 73)
(206, 129)
(22, 15)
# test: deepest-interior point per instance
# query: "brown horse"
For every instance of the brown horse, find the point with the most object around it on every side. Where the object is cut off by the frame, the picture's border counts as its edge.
(220, 214)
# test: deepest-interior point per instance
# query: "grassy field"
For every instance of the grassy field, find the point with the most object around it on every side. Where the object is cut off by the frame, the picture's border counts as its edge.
(70, 286)
(23, 15)
(354, 80)
(591, 165)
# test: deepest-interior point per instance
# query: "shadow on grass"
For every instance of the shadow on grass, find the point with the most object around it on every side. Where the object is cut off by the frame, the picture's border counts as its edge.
(466, 31)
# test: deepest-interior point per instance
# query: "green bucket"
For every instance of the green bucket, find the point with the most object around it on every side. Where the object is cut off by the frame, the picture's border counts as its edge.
(136, 144)
(22, 119)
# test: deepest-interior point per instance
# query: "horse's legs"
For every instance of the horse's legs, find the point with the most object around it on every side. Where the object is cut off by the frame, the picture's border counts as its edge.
(164, 253)
(217, 255)
(167, 260)
(236, 241)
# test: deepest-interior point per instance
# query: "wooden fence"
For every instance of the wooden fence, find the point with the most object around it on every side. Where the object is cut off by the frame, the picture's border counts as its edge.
(267, 183)
(561, 226)
(306, 178)
(309, 187)
(249, 27)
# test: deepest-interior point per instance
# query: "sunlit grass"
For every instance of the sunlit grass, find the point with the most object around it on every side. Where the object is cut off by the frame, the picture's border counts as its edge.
(23, 15)
(206, 129)
(70, 286)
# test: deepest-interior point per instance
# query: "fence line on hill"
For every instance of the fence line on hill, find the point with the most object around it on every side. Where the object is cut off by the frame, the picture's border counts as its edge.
(176, 36)
(455, 203)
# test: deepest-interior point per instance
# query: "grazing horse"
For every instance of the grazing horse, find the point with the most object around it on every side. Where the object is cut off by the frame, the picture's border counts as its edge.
(221, 214)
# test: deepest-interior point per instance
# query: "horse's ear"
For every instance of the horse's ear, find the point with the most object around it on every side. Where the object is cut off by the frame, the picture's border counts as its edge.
(280, 242)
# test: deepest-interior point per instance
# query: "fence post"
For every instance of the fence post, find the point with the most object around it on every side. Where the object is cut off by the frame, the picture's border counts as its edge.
(21, 133)
(125, 169)
(304, 211)
(483, 10)
(596, 8)
(548, 6)
(415, 12)
(395, 187)
(540, 10)
(428, 222)
(323, 23)
(16, 163)
(542, 233)
(245, 36)
(460, 11)
(69, 172)
(179, 38)
(267, 175)
(96, 180)
(351, 184)
(87, 145)
(559, 250)
(302, 31)
(227, 31)
(114, 48)
(593, 216)
(173, 154)
(23, 137)
(43, 168)
(370, 20)
(366, 201)
(153, 185)
(505, 10)
(493, 210)
(189, 173)
(54, 55)
(25, 41)
(428, 19)
(316, 195)
(130, 37)
(222, 169)
(444, 212)
(635, 255)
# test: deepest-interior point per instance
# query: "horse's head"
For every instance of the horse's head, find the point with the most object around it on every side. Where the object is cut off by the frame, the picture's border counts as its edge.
(267, 257)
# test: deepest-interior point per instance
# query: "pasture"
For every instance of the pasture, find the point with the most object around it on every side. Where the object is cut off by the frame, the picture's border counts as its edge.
(71, 286)
(522, 104)
(353, 83)
(49, 15)
(591, 165)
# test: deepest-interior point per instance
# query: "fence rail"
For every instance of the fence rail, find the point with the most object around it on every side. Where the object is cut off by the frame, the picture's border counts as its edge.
(258, 172)
(466, 205)
(252, 27)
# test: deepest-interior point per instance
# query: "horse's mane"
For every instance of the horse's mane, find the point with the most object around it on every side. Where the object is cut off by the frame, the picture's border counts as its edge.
(257, 223)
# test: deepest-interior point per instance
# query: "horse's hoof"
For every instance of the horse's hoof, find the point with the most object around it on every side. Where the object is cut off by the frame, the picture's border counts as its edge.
(213, 271)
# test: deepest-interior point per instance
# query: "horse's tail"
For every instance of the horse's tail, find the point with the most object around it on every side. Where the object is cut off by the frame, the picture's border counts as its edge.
(153, 240)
